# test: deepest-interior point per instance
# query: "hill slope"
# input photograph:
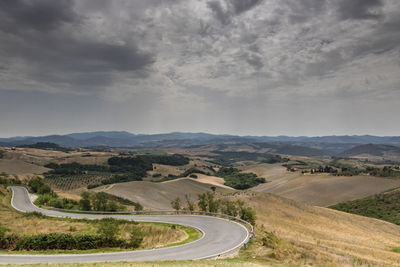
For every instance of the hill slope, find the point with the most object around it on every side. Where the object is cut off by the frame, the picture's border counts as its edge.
(318, 189)
(374, 150)
(331, 144)
(320, 235)
(160, 195)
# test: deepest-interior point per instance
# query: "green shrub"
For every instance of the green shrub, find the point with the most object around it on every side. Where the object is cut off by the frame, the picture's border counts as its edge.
(3, 231)
(229, 208)
(248, 214)
(37, 185)
(136, 237)
(138, 206)
(84, 203)
(34, 214)
(86, 241)
(176, 204)
(46, 241)
(189, 202)
(108, 228)
(52, 201)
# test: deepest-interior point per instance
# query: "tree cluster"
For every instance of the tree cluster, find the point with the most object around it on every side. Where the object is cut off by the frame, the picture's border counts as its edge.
(238, 180)
(74, 168)
(37, 185)
(275, 159)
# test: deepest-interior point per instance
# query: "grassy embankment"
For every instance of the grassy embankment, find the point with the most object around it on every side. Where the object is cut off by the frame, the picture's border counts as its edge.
(197, 263)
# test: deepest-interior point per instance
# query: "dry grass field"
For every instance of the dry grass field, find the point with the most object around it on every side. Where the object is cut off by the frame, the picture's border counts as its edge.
(155, 234)
(28, 162)
(159, 195)
(211, 180)
(314, 235)
(20, 168)
(317, 189)
(164, 170)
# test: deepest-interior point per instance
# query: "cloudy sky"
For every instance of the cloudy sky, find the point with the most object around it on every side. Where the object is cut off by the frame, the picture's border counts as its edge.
(247, 67)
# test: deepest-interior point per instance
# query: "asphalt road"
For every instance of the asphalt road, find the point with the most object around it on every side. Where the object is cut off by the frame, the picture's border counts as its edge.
(219, 237)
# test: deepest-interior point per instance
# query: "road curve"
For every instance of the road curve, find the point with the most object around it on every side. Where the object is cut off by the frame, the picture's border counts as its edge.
(220, 236)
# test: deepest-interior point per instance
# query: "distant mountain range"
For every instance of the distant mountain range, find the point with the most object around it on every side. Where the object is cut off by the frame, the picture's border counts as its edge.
(324, 145)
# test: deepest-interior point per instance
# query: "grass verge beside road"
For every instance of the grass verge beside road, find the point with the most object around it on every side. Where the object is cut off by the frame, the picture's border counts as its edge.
(197, 263)
(155, 235)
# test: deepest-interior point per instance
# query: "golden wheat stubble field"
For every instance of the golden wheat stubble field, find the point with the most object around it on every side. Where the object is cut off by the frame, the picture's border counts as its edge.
(159, 195)
(317, 189)
(325, 237)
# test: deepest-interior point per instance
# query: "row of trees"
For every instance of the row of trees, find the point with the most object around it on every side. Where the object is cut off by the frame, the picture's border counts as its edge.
(74, 168)
(136, 166)
(386, 171)
(124, 169)
(208, 203)
(97, 202)
(104, 202)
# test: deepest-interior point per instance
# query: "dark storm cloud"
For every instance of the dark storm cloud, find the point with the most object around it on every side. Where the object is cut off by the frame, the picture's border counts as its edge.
(40, 33)
(360, 9)
(42, 15)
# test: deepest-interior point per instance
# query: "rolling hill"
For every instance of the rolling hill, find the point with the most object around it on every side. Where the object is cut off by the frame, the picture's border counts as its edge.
(159, 195)
(374, 150)
(316, 146)
(300, 234)
(317, 189)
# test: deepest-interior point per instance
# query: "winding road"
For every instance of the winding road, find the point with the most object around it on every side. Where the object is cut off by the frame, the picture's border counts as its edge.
(220, 236)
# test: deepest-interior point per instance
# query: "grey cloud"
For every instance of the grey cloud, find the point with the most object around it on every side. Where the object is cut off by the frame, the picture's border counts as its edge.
(302, 10)
(220, 14)
(240, 6)
(233, 8)
(255, 48)
(255, 61)
(360, 9)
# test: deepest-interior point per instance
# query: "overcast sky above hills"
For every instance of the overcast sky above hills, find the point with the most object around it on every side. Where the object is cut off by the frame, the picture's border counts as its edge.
(247, 67)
